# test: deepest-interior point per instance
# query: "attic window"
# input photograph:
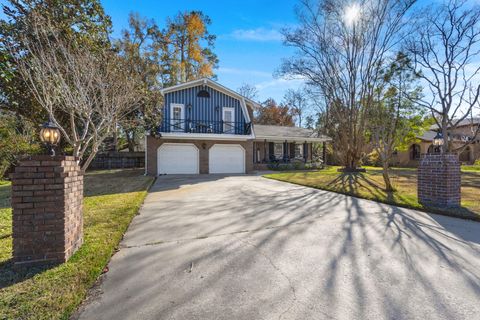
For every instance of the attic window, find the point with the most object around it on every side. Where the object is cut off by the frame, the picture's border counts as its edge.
(203, 94)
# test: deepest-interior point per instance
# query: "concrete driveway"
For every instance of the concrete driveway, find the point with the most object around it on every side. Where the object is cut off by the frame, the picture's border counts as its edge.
(245, 247)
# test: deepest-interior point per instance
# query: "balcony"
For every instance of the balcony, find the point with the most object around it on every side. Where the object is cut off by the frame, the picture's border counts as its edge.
(203, 126)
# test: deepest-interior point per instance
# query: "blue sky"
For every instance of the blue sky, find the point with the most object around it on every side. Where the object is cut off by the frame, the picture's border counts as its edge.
(249, 44)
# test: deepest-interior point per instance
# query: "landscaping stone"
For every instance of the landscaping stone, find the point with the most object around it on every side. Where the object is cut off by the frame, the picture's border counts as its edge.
(47, 195)
(439, 180)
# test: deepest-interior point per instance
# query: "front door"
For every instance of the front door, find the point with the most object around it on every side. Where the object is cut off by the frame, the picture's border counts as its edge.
(229, 120)
(177, 111)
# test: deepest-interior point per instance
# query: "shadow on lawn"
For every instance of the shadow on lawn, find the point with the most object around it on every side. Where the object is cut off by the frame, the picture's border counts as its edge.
(11, 274)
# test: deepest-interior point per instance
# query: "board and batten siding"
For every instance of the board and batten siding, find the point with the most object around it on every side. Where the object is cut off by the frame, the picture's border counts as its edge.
(202, 109)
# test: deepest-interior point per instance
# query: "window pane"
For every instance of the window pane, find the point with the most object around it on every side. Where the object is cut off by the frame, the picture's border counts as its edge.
(278, 150)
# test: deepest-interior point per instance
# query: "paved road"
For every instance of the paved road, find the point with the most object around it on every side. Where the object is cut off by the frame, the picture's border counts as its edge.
(245, 247)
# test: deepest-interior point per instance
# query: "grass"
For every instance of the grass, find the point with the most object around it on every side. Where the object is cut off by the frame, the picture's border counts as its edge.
(475, 168)
(112, 198)
(370, 185)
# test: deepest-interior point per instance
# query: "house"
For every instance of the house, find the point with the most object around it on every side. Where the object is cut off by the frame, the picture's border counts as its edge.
(464, 132)
(208, 128)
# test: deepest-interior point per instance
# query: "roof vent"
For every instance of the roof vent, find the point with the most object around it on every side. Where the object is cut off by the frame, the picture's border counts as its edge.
(203, 94)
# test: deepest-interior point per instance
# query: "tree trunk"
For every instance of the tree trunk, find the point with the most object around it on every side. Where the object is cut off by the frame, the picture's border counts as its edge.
(386, 178)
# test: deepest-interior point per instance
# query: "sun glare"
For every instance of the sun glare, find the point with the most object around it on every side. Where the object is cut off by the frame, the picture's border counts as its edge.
(351, 14)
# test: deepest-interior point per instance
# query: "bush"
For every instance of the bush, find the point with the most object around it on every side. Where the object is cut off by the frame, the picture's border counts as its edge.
(372, 159)
(295, 165)
(17, 138)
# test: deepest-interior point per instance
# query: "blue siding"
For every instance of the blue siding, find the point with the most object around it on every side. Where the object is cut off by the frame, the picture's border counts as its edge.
(202, 109)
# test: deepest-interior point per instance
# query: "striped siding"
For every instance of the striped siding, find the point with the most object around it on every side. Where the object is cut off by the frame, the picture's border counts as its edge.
(203, 109)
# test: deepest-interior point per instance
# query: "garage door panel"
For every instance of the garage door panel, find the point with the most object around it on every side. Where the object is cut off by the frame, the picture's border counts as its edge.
(181, 158)
(227, 158)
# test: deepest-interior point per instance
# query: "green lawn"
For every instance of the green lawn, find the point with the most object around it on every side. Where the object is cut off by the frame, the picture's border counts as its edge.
(112, 198)
(370, 185)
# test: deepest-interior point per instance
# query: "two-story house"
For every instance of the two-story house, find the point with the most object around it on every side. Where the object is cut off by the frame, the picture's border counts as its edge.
(208, 128)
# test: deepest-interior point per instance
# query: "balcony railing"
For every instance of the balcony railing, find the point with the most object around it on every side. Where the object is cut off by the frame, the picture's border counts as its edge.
(202, 126)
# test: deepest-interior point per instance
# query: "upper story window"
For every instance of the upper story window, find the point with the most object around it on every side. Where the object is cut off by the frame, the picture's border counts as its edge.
(228, 120)
(278, 150)
(203, 94)
(298, 150)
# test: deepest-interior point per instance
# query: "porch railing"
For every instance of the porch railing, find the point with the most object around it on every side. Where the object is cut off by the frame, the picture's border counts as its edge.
(203, 126)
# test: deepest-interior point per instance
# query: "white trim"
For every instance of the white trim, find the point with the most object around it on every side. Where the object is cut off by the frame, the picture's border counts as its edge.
(245, 109)
(291, 139)
(206, 136)
(232, 112)
(182, 116)
(197, 169)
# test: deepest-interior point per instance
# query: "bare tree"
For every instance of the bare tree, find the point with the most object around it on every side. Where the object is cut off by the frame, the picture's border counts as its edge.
(445, 44)
(85, 93)
(298, 101)
(340, 50)
(248, 91)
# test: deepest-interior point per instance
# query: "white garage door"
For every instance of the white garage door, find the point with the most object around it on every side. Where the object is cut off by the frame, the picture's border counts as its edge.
(177, 158)
(226, 158)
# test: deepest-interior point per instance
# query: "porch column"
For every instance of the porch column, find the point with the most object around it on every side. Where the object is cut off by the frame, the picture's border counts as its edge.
(265, 150)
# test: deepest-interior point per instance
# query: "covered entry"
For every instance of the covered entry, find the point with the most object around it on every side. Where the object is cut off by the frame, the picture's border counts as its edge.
(178, 158)
(226, 158)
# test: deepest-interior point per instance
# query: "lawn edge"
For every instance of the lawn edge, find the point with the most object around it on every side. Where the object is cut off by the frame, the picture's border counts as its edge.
(475, 218)
(73, 312)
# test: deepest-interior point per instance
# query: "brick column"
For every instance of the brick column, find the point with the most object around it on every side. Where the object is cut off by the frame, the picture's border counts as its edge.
(439, 180)
(47, 194)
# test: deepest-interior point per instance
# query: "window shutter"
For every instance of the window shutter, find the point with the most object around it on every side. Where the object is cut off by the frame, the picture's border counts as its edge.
(305, 151)
(292, 150)
(271, 151)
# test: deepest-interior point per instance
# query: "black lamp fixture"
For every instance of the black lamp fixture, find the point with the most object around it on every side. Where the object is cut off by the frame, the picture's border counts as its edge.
(50, 136)
(438, 140)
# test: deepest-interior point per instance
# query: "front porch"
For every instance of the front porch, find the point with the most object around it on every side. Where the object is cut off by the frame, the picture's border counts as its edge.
(268, 154)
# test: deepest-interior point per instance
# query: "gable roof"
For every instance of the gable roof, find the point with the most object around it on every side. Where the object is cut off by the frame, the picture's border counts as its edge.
(270, 132)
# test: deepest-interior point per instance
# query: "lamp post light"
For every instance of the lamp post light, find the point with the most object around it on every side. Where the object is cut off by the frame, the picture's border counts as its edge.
(438, 141)
(50, 136)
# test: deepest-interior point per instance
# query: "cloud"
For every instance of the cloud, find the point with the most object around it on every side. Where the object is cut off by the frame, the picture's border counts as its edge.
(258, 34)
(236, 71)
(276, 88)
(281, 84)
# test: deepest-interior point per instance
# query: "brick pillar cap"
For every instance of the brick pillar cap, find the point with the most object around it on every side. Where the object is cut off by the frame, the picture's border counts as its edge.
(44, 157)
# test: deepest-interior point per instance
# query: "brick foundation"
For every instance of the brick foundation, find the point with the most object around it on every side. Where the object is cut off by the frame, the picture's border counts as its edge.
(47, 195)
(439, 180)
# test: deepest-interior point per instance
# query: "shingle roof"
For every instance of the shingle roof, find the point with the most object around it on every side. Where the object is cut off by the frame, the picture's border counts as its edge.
(428, 135)
(285, 133)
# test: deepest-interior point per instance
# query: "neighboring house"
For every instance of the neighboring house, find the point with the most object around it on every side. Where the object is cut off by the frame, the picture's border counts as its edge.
(208, 128)
(462, 133)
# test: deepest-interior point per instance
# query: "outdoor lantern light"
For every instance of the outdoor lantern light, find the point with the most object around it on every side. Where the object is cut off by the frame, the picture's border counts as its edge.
(438, 140)
(50, 135)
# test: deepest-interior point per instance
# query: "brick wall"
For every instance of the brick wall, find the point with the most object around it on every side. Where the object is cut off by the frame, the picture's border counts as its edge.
(439, 180)
(47, 195)
(203, 146)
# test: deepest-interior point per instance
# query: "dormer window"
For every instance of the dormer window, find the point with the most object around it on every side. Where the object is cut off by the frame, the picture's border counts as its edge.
(203, 94)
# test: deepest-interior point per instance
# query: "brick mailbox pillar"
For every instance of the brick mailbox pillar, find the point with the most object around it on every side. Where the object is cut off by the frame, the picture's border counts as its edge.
(439, 180)
(47, 194)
